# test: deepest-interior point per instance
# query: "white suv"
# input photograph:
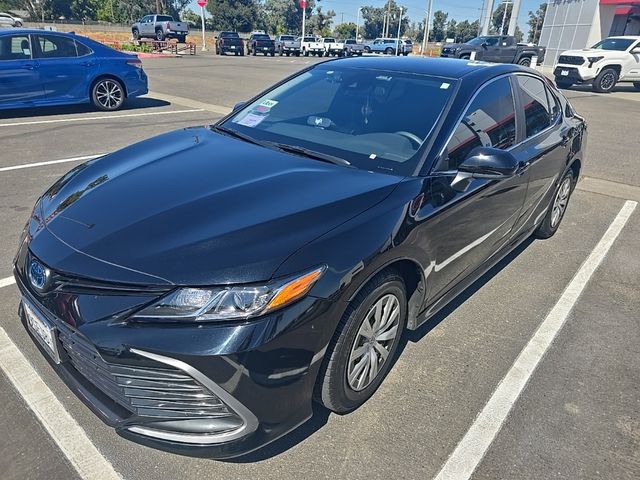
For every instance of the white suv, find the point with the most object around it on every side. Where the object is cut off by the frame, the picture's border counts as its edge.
(612, 60)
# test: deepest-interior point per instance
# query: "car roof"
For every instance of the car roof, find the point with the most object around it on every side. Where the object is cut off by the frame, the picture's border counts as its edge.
(625, 37)
(438, 67)
(11, 31)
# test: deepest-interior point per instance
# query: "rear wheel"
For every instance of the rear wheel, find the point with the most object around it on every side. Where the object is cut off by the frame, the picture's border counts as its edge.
(159, 35)
(273, 54)
(364, 345)
(107, 94)
(182, 38)
(525, 62)
(558, 206)
(636, 85)
(605, 81)
(388, 51)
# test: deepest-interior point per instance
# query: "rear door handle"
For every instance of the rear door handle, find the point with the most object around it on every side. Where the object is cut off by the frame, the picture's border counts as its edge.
(29, 66)
(88, 63)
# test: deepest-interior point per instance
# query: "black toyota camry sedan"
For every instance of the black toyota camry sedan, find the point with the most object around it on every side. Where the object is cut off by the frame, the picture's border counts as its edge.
(199, 290)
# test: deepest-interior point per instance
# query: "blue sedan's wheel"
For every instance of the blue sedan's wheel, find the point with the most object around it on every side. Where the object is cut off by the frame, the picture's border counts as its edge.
(108, 94)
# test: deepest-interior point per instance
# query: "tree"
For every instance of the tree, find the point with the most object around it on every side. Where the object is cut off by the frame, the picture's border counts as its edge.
(236, 15)
(536, 19)
(345, 30)
(451, 29)
(320, 22)
(374, 20)
(465, 31)
(498, 16)
(438, 28)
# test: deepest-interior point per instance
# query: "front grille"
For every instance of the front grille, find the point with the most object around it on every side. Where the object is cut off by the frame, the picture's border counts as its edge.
(571, 60)
(162, 392)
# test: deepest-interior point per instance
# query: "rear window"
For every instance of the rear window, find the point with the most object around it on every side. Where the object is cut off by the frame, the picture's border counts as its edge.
(286, 37)
(164, 18)
(262, 36)
(309, 39)
(350, 42)
(54, 46)
(229, 34)
(329, 40)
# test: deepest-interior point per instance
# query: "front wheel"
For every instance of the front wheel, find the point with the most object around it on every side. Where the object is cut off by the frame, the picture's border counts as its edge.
(557, 207)
(107, 94)
(363, 348)
(563, 84)
(605, 81)
(367, 50)
(136, 34)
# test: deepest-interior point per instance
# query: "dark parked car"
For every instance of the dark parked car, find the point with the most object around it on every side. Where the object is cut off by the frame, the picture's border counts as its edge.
(200, 289)
(495, 48)
(261, 43)
(229, 42)
(42, 68)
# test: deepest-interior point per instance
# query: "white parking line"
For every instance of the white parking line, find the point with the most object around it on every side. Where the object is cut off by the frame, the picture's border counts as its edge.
(64, 430)
(101, 117)
(5, 282)
(471, 449)
(50, 162)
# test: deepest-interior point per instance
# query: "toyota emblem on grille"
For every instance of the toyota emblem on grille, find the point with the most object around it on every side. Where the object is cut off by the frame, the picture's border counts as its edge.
(38, 275)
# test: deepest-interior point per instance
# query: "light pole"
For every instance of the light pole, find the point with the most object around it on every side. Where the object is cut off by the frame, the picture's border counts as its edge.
(427, 20)
(303, 6)
(398, 38)
(358, 23)
(506, 4)
(204, 42)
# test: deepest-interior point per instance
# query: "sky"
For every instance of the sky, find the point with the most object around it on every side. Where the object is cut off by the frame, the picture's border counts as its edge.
(457, 9)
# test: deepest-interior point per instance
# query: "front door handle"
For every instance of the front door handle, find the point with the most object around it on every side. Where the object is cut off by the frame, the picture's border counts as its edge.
(29, 66)
(88, 64)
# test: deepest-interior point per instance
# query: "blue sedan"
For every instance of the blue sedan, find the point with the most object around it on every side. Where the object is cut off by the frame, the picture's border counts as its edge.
(43, 68)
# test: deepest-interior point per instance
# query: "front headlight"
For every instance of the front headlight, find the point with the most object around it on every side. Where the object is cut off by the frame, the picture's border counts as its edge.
(229, 303)
(593, 60)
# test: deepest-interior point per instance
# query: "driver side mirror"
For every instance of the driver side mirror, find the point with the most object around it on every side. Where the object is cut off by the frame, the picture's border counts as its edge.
(486, 163)
(636, 50)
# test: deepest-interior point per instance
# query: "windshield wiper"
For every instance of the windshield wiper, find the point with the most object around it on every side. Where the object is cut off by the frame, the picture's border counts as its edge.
(241, 136)
(311, 154)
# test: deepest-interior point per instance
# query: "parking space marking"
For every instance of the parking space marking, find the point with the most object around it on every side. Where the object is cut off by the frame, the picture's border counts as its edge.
(102, 117)
(187, 102)
(472, 448)
(5, 282)
(50, 162)
(609, 188)
(63, 429)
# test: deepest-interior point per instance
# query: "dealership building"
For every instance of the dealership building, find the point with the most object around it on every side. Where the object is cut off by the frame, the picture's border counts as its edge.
(575, 24)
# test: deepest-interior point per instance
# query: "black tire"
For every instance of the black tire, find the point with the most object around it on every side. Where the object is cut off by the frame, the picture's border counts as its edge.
(606, 81)
(107, 94)
(287, 54)
(333, 388)
(405, 53)
(359, 54)
(563, 84)
(253, 52)
(297, 54)
(465, 57)
(367, 50)
(136, 34)
(551, 222)
(18, 24)
(159, 35)
(388, 51)
(306, 53)
(182, 38)
(636, 85)
(242, 53)
(525, 62)
(273, 54)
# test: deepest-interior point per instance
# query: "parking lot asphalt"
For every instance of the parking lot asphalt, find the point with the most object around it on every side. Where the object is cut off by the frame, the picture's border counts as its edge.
(576, 418)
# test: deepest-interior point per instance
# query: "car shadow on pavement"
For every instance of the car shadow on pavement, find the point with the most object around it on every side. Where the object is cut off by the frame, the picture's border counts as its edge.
(619, 88)
(133, 104)
(321, 414)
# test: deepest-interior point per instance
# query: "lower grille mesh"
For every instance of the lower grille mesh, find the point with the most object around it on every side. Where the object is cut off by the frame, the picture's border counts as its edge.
(164, 392)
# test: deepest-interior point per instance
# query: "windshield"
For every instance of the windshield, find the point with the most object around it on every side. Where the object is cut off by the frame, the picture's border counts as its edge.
(620, 44)
(376, 120)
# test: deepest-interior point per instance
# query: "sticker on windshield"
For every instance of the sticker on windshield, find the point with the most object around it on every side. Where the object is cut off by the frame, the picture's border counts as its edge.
(265, 106)
(251, 120)
(444, 86)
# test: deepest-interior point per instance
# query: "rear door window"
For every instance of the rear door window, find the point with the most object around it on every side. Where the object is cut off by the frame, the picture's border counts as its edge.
(537, 112)
(489, 121)
(54, 46)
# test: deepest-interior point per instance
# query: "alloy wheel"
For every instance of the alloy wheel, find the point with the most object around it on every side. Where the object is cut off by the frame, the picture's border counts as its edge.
(373, 342)
(560, 202)
(607, 82)
(109, 94)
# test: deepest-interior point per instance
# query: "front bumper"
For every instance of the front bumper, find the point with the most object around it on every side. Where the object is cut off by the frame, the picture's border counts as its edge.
(254, 380)
(575, 74)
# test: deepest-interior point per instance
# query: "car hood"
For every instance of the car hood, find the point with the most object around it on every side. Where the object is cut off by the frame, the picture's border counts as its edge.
(194, 207)
(584, 52)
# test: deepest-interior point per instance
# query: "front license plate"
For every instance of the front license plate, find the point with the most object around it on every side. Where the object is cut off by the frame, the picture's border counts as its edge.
(42, 331)
(564, 73)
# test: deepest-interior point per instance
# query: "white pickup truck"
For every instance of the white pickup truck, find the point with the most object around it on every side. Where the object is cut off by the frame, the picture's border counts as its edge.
(333, 47)
(311, 45)
(612, 60)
